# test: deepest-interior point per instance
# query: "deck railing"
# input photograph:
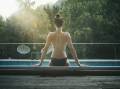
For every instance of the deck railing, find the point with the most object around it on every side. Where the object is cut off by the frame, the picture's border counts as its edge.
(84, 50)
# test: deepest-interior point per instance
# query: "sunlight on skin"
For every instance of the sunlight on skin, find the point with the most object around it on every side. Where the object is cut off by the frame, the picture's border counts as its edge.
(8, 7)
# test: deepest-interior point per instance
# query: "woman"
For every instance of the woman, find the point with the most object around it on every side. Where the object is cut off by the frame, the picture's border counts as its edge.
(59, 40)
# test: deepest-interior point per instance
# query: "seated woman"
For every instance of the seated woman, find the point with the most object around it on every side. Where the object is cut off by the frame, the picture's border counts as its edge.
(59, 40)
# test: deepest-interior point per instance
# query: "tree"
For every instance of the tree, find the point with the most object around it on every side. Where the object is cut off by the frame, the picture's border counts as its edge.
(92, 21)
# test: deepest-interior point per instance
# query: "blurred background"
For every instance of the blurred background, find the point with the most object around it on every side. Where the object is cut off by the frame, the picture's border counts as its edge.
(93, 24)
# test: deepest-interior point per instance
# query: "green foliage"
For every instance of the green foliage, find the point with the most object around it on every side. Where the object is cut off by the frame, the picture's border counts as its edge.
(92, 21)
(100, 16)
(87, 21)
(27, 25)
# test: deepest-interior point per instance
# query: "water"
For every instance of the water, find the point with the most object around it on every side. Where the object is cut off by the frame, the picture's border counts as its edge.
(30, 63)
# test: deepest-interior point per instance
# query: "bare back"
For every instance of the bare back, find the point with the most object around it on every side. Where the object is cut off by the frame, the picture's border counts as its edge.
(59, 42)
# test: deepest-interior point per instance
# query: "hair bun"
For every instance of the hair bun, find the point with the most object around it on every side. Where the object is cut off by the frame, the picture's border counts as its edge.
(57, 16)
(58, 20)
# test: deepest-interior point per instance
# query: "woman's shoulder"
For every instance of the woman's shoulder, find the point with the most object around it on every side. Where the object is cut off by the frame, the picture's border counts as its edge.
(51, 33)
(67, 33)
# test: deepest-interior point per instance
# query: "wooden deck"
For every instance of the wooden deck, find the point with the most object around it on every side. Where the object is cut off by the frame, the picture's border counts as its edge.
(67, 82)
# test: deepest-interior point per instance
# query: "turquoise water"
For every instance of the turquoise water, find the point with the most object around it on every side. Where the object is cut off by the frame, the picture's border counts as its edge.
(30, 63)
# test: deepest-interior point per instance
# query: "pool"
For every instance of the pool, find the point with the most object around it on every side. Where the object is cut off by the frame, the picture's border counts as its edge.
(88, 67)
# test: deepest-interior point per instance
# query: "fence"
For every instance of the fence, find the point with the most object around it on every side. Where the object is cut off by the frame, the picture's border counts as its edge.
(84, 50)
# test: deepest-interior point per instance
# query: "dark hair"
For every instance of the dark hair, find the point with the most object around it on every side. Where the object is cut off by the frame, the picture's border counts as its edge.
(58, 20)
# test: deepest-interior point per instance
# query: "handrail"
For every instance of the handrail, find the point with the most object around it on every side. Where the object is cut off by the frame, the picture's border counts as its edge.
(69, 60)
(19, 43)
(115, 53)
(73, 43)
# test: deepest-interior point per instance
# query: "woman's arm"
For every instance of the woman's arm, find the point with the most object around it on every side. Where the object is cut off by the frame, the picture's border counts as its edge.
(44, 50)
(72, 49)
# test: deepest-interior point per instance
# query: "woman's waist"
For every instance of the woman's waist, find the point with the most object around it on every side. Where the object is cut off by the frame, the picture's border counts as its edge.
(58, 55)
(58, 60)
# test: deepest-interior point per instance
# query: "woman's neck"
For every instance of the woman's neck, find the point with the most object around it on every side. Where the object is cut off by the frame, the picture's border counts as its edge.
(59, 29)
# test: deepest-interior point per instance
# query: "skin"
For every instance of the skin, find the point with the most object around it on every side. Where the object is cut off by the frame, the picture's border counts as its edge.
(60, 40)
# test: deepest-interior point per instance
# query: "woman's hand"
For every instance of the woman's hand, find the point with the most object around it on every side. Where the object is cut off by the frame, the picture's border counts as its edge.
(39, 64)
(77, 62)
